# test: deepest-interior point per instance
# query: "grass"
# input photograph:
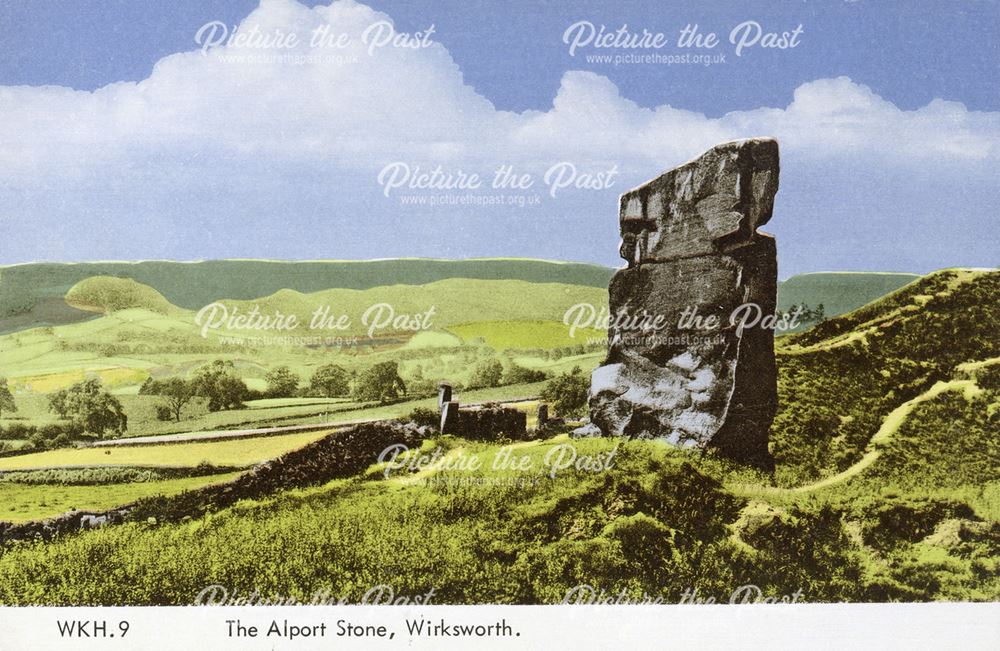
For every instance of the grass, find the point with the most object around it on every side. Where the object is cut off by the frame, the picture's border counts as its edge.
(141, 411)
(655, 521)
(888, 529)
(889, 427)
(239, 453)
(21, 503)
(503, 335)
(110, 294)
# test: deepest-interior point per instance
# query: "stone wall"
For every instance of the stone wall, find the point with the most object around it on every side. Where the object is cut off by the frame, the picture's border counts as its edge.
(344, 453)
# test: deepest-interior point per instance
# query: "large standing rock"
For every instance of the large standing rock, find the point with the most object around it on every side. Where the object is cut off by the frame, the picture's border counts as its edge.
(691, 242)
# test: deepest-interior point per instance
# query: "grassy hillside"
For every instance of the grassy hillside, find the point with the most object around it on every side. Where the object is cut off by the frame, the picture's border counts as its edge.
(31, 295)
(105, 294)
(26, 288)
(839, 292)
(453, 301)
(840, 380)
(652, 524)
(505, 335)
(887, 489)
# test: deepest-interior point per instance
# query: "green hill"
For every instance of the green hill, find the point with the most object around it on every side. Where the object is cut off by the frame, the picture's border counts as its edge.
(455, 300)
(840, 381)
(887, 489)
(137, 332)
(194, 284)
(31, 295)
(105, 294)
(839, 292)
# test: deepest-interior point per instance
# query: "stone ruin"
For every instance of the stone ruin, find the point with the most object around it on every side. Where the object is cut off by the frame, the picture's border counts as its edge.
(679, 364)
(479, 422)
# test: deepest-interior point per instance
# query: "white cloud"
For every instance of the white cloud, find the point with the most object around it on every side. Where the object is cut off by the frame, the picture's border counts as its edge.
(209, 136)
(413, 104)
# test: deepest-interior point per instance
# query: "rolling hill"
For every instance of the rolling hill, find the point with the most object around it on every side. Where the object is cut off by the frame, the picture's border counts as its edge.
(105, 294)
(840, 380)
(887, 489)
(25, 288)
(839, 292)
(32, 295)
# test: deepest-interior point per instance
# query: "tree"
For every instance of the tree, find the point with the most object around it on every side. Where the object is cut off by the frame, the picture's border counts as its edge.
(177, 391)
(87, 405)
(6, 397)
(281, 382)
(219, 383)
(520, 375)
(487, 373)
(568, 392)
(148, 386)
(380, 382)
(330, 381)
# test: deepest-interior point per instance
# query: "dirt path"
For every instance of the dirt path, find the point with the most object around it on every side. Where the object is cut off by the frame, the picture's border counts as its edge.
(889, 427)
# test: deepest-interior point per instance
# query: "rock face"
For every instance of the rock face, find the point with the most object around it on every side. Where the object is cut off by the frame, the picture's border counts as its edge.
(688, 356)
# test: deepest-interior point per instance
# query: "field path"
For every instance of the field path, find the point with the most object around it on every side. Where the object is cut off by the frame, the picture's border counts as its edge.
(889, 427)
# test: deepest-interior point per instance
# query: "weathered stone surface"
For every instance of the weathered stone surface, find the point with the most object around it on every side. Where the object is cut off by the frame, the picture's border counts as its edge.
(713, 203)
(449, 416)
(693, 250)
(543, 416)
(444, 394)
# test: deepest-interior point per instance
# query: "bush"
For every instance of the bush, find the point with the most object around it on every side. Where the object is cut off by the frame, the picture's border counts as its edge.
(381, 382)
(487, 373)
(519, 375)
(568, 392)
(988, 377)
(19, 431)
(82, 476)
(425, 416)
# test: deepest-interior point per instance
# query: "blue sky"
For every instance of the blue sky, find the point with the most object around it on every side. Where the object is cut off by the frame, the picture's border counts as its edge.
(887, 114)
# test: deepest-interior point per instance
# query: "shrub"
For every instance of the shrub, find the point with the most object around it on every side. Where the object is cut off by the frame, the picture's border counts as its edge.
(568, 392)
(425, 416)
(19, 431)
(487, 373)
(520, 375)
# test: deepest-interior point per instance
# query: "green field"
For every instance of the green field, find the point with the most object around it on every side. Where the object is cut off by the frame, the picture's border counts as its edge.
(21, 502)
(887, 485)
(503, 335)
(237, 452)
(657, 515)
